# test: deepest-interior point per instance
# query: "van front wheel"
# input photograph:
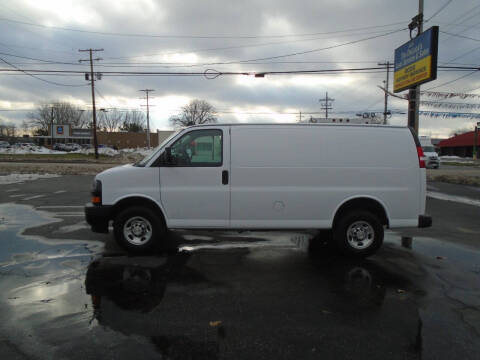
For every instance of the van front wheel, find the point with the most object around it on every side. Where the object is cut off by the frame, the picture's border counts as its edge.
(138, 229)
(358, 234)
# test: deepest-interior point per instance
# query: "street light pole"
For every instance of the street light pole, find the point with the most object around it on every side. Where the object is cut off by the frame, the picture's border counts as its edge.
(146, 91)
(51, 127)
(92, 83)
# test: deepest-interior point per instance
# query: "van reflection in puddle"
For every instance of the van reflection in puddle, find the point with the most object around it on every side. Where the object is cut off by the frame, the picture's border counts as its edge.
(357, 284)
(126, 293)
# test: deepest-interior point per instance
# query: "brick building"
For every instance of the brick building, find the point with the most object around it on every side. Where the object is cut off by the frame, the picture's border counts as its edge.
(66, 134)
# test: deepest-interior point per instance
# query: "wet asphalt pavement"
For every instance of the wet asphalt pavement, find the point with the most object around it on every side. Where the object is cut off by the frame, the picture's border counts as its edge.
(68, 293)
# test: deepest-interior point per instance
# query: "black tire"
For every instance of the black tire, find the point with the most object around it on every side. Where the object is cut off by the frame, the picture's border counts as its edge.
(371, 230)
(154, 230)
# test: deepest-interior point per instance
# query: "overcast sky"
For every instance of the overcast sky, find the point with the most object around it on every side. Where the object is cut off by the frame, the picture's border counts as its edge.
(189, 34)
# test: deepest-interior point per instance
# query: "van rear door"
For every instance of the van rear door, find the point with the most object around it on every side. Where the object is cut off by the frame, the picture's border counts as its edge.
(195, 190)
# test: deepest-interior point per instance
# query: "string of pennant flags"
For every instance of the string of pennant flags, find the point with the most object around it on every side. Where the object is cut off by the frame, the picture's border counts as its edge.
(444, 114)
(446, 105)
(442, 95)
(450, 105)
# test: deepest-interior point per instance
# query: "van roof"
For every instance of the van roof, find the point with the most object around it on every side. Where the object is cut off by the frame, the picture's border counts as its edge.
(300, 124)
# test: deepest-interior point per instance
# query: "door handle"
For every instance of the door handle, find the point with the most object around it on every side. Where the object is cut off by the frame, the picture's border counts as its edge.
(225, 177)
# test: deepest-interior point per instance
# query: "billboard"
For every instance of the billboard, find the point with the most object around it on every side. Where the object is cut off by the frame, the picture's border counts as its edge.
(416, 61)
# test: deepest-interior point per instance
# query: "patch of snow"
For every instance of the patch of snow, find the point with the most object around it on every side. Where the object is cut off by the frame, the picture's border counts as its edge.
(451, 158)
(197, 237)
(102, 151)
(458, 199)
(31, 149)
(18, 178)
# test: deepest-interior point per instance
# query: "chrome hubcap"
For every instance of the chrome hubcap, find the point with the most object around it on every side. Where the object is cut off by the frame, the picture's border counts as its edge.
(360, 235)
(137, 230)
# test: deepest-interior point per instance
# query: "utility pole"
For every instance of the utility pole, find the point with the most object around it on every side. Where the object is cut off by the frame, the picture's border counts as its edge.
(92, 82)
(414, 93)
(51, 126)
(299, 116)
(146, 91)
(475, 142)
(387, 64)
(325, 105)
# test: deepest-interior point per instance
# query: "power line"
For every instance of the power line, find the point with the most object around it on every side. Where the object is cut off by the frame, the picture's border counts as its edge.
(454, 80)
(100, 94)
(38, 78)
(459, 36)
(195, 36)
(278, 56)
(210, 73)
(439, 10)
(234, 47)
(37, 59)
(313, 50)
(469, 11)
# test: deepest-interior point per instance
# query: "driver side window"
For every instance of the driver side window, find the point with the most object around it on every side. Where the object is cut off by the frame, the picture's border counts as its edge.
(199, 148)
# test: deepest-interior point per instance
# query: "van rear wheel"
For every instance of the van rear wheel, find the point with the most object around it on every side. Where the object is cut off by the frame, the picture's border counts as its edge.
(358, 234)
(138, 229)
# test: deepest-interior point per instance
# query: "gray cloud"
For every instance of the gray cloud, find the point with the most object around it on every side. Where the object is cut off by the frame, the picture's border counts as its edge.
(268, 17)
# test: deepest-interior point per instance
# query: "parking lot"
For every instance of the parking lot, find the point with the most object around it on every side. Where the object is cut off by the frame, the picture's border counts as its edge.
(70, 293)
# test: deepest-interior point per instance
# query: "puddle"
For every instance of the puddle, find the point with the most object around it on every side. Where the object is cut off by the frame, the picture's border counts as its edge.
(461, 256)
(228, 295)
(16, 248)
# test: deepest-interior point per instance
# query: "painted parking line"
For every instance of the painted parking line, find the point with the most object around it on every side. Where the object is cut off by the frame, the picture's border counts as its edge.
(11, 190)
(33, 197)
(61, 207)
(60, 191)
(70, 215)
(17, 195)
(454, 198)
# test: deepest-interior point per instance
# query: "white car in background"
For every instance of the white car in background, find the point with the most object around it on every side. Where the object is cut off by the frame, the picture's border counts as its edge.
(431, 157)
(4, 145)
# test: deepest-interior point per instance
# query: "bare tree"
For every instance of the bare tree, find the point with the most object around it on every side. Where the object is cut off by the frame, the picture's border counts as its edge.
(57, 113)
(3, 128)
(111, 120)
(133, 121)
(25, 127)
(195, 112)
(460, 131)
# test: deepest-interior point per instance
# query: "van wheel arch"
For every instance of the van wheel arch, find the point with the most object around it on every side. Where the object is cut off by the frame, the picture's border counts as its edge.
(137, 201)
(359, 204)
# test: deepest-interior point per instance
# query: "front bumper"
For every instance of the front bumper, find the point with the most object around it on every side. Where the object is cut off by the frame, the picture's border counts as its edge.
(424, 221)
(432, 163)
(98, 216)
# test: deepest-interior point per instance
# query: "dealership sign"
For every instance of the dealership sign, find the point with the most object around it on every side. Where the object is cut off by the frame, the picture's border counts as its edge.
(416, 61)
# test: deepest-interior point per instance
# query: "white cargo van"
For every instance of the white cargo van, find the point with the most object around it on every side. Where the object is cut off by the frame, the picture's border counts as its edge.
(431, 157)
(353, 179)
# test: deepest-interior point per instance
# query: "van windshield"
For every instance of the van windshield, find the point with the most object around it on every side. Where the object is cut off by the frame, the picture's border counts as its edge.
(428, 149)
(155, 151)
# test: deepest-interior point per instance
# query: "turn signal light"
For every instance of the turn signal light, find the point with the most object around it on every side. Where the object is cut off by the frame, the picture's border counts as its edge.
(97, 200)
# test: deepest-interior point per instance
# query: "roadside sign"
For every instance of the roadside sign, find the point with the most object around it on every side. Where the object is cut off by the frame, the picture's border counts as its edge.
(416, 61)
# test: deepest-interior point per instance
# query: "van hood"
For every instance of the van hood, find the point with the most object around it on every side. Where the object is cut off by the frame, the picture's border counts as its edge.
(115, 171)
